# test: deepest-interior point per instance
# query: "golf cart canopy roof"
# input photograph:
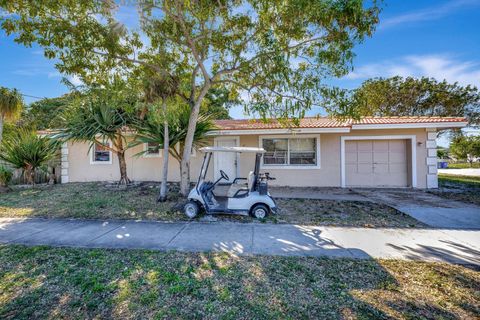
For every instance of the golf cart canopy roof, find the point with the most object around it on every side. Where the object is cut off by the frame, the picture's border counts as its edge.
(233, 149)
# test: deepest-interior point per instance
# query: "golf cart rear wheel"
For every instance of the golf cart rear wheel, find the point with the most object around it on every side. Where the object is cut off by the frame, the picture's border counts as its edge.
(191, 209)
(259, 211)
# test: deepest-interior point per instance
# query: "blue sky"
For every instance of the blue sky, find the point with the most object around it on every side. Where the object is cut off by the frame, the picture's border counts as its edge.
(437, 38)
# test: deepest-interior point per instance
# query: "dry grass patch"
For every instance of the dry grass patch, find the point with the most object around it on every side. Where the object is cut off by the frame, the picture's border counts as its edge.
(88, 201)
(342, 213)
(459, 188)
(44, 282)
(95, 201)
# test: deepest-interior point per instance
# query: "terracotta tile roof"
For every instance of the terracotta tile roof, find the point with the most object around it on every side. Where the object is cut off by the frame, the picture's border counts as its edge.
(325, 122)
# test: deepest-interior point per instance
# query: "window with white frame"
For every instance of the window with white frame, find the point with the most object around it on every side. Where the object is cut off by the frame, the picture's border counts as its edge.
(151, 149)
(101, 153)
(290, 151)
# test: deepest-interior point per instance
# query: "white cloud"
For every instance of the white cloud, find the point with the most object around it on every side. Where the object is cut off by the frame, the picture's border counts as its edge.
(54, 74)
(75, 80)
(428, 14)
(439, 67)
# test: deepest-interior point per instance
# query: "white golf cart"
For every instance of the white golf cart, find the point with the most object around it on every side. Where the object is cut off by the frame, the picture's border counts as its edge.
(243, 196)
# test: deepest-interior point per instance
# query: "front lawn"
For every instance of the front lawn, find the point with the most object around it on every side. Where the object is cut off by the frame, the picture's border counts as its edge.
(95, 201)
(460, 188)
(45, 282)
(463, 165)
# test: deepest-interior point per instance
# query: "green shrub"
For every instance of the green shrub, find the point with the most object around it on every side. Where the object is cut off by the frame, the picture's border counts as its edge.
(28, 151)
(5, 176)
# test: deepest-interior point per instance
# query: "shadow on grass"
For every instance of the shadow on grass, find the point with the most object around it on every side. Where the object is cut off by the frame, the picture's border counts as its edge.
(45, 282)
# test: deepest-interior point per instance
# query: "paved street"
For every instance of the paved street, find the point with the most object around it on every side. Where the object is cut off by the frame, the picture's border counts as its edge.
(456, 246)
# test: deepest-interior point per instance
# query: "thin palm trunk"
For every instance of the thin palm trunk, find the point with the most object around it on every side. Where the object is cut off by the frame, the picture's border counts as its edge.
(1, 128)
(166, 147)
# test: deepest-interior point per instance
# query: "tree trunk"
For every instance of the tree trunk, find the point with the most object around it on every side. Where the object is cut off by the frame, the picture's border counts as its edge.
(1, 128)
(120, 151)
(187, 151)
(124, 180)
(162, 197)
(29, 174)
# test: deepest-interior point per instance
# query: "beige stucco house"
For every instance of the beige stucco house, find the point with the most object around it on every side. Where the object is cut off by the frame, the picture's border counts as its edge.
(320, 152)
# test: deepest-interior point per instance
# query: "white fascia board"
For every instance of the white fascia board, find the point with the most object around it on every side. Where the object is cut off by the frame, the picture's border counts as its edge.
(409, 125)
(277, 131)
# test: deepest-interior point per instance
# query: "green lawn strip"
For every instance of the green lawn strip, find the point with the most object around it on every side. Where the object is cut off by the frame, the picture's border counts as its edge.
(464, 165)
(95, 201)
(469, 181)
(45, 282)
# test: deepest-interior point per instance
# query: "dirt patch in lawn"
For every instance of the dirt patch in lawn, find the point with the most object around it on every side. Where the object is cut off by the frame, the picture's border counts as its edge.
(459, 188)
(342, 213)
(44, 282)
(95, 201)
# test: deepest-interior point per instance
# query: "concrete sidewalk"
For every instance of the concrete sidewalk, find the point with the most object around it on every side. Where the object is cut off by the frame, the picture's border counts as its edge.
(455, 246)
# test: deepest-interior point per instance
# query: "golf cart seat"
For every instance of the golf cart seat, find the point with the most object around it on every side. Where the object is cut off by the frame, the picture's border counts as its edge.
(242, 187)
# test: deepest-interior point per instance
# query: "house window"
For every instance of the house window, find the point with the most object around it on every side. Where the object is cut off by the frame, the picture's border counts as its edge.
(290, 151)
(101, 153)
(152, 149)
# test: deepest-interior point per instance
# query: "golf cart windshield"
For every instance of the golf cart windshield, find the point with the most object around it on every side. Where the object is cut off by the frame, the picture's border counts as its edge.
(210, 150)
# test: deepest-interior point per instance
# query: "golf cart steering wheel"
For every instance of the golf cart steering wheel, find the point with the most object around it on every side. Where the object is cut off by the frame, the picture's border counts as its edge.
(224, 175)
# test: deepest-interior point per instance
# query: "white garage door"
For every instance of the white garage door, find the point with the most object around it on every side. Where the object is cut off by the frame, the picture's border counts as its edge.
(376, 163)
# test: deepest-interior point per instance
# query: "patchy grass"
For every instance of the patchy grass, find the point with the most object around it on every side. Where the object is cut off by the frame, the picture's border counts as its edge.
(342, 213)
(44, 282)
(460, 188)
(95, 201)
(88, 201)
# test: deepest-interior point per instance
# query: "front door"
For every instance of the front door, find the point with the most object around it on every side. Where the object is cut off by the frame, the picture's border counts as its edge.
(226, 161)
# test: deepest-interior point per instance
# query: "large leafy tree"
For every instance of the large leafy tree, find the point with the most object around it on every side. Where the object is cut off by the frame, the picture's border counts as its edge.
(398, 96)
(103, 116)
(277, 52)
(26, 150)
(465, 148)
(11, 105)
(46, 113)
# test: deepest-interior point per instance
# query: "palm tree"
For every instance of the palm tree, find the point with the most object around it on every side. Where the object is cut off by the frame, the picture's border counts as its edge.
(152, 130)
(99, 116)
(11, 104)
(158, 89)
(28, 151)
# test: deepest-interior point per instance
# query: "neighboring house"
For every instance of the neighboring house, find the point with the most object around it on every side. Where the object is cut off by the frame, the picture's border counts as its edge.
(320, 152)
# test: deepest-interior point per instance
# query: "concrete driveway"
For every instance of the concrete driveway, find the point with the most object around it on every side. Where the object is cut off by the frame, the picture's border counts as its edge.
(428, 208)
(452, 246)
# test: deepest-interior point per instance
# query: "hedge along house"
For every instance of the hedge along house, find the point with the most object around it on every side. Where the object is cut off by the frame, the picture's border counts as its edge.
(320, 152)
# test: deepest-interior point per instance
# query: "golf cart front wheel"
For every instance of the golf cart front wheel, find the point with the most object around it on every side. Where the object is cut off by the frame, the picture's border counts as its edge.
(191, 209)
(259, 211)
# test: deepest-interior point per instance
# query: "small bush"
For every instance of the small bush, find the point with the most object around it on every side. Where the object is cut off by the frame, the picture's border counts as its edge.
(5, 176)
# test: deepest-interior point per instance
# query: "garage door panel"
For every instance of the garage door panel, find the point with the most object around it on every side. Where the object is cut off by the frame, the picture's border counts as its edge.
(365, 157)
(397, 145)
(365, 168)
(380, 145)
(364, 146)
(376, 163)
(351, 157)
(380, 168)
(351, 168)
(380, 157)
(398, 168)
